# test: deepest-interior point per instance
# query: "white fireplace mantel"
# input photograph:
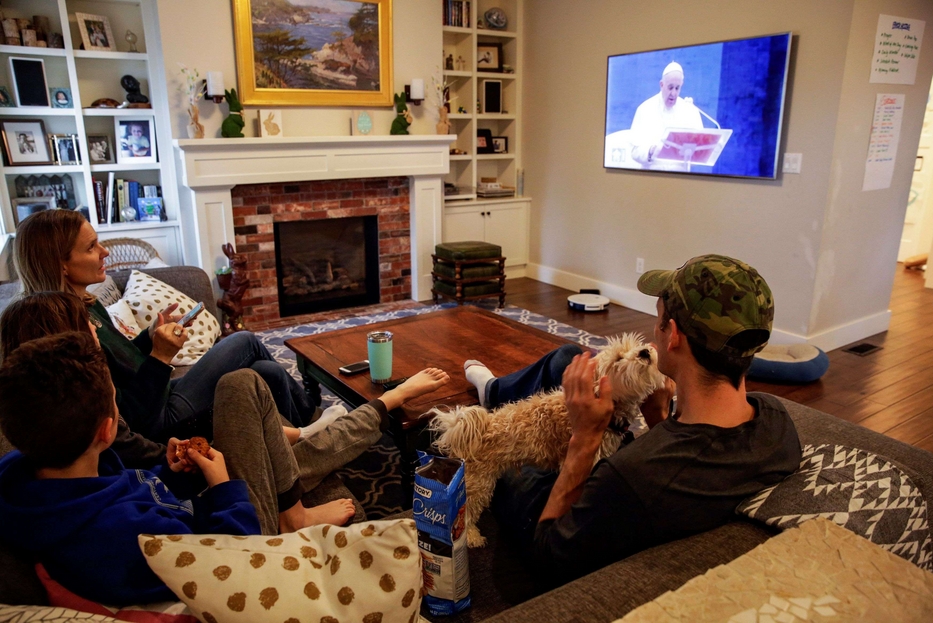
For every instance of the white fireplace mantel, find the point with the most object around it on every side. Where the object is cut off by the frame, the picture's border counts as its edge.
(210, 168)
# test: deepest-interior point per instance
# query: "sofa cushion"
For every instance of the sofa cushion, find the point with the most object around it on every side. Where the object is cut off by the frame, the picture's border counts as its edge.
(50, 614)
(107, 292)
(858, 490)
(147, 296)
(123, 318)
(369, 572)
(189, 279)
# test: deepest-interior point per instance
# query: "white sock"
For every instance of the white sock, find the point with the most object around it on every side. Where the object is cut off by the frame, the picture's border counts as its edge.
(479, 375)
(328, 416)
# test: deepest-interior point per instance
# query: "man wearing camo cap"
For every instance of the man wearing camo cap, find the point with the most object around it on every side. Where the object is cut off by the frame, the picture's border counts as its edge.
(688, 473)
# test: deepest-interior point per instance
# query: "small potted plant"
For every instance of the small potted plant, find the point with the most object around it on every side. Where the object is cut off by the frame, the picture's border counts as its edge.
(224, 275)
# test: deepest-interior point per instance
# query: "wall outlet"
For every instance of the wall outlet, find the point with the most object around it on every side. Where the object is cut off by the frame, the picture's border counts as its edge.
(792, 163)
(639, 265)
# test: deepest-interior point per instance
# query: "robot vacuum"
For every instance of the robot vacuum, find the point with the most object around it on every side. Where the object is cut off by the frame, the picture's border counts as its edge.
(587, 302)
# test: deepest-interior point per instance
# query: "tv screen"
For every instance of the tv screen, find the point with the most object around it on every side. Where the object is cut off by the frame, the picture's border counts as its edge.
(711, 109)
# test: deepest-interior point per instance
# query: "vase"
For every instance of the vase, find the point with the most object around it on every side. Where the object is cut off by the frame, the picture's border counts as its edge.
(195, 129)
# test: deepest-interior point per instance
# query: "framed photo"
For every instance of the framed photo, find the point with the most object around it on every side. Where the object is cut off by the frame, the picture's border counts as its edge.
(488, 56)
(270, 124)
(321, 36)
(492, 96)
(64, 148)
(23, 207)
(61, 98)
(361, 124)
(149, 209)
(29, 84)
(100, 149)
(500, 144)
(135, 140)
(95, 32)
(483, 141)
(25, 142)
(6, 100)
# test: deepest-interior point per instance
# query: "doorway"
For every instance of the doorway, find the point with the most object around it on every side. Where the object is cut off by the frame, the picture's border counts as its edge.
(917, 235)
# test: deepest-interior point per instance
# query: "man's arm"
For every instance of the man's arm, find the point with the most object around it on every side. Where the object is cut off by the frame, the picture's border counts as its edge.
(589, 416)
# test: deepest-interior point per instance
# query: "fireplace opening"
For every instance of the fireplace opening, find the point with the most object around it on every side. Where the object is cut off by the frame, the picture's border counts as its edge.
(327, 264)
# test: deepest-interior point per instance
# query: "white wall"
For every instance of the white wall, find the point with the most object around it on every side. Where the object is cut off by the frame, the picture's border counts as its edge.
(199, 34)
(827, 249)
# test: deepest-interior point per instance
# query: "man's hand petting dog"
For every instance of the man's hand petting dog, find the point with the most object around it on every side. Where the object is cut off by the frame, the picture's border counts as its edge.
(589, 413)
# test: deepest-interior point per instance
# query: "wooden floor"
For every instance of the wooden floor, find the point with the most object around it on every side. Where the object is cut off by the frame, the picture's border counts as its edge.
(889, 391)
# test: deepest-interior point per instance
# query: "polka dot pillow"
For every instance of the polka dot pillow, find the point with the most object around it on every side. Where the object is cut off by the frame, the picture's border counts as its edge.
(147, 296)
(368, 572)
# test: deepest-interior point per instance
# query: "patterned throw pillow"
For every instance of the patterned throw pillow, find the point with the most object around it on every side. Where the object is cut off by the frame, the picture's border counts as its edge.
(123, 318)
(147, 296)
(106, 292)
(855, 489)
(50, 614)
(368, 572)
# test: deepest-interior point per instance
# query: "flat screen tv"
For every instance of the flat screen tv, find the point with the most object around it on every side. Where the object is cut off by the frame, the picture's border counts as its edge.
(710, 109)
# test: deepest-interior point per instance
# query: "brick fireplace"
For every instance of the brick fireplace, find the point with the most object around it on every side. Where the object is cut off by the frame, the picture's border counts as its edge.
(258, 207)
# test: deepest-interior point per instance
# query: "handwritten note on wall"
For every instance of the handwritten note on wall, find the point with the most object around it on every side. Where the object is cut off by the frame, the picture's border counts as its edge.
(897, 50)
(882, 146)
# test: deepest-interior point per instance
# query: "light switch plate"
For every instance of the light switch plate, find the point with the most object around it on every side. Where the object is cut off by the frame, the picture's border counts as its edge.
(792, 163)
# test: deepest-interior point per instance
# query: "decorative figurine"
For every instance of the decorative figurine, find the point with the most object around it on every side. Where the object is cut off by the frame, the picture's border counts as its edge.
(461, 64)
(131, 38)
(232, 127)
(131, 85)
(461, 110)
(193, 89)
(443, 123)
(403, 119)
(231, 304)
(449, 62)
(496, 18)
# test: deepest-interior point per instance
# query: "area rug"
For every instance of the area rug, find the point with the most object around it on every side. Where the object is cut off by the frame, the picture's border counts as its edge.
(374, 476)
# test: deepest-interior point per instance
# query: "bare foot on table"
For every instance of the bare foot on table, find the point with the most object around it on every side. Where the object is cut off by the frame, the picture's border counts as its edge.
(424, 382)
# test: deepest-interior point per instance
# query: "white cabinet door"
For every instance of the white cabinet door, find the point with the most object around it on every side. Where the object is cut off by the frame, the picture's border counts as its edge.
(460, 224)
(507, 226)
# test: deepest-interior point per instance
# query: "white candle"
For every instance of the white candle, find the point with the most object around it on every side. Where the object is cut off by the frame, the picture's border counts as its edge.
(417, 89)
(215, 83)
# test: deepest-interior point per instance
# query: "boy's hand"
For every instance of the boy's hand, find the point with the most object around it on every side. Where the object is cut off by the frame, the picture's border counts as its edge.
(212, 466)
(177, 456)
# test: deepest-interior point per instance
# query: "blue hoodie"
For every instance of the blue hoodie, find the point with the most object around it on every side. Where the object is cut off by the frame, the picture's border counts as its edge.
(84, 530)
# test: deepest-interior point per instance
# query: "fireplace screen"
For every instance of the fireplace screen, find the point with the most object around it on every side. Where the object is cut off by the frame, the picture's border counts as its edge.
(327, 264)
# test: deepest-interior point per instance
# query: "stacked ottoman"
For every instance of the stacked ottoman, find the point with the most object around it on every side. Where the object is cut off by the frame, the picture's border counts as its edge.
(468, 270)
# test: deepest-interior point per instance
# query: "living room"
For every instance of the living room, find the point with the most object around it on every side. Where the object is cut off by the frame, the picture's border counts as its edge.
(827, 248)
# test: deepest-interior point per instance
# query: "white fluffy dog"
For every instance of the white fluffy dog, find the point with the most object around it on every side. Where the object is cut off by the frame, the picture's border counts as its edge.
(536, 431)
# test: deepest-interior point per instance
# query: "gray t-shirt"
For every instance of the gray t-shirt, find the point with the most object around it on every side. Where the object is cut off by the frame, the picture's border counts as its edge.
(674, 481)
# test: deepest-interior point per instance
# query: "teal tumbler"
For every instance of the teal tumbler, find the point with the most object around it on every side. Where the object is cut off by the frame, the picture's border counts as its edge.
(379, 345)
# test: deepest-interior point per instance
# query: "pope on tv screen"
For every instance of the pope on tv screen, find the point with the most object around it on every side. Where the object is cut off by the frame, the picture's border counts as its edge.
(711, 109)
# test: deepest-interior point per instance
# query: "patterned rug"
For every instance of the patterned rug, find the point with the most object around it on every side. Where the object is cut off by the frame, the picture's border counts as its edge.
(374, 476)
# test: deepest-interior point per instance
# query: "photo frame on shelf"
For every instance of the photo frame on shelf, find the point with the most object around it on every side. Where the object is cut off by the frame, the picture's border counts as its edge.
(61, 98)
(270, 124)
(500, 144)
(135, 140)
(492, 96)
(29, 85)
(484, 141)
(96, 34)
(100, 149)
(25, 142)
(263, 37)
(6, 99)
(64, 148)
(149, 209)
(488, 56)
(26, 206)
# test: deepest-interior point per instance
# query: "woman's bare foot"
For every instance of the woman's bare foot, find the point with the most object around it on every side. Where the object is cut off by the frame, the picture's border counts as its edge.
(419, 384)
(297, 517)
(292, 435)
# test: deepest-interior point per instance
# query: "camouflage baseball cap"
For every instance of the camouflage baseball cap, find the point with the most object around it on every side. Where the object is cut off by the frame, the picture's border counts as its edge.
(713, 299)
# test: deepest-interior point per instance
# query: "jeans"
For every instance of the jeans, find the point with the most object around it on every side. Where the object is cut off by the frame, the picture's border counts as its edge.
(543, 375)
(192, 396)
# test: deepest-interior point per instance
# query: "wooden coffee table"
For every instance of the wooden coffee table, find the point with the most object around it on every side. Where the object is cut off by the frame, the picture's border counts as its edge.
(442, 339)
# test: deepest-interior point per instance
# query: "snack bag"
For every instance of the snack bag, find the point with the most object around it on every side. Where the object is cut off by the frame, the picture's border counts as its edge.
(440, 516)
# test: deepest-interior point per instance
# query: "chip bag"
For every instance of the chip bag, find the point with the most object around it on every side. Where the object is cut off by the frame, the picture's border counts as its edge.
(440, 516)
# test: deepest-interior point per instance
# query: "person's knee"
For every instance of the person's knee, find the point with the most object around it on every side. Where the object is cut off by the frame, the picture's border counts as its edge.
(563, 356)
(242, 339)
(244, 377)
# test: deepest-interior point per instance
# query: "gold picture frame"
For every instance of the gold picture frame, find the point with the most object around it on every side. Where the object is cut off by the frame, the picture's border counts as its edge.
(315, 76)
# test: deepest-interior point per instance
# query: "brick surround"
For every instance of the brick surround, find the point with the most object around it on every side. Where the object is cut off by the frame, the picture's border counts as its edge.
(257, 206)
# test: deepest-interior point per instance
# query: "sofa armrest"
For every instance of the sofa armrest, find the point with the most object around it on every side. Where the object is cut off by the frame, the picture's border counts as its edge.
(191, 280)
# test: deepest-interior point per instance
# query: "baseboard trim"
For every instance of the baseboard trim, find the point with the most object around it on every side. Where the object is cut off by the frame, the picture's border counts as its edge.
(827, 340)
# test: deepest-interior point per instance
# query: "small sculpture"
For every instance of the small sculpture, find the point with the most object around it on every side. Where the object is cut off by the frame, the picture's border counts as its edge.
(232, 127)
(193, 89)
(231, 303)
(461, 64)
(131, 85)
(131, 38)
(403, 119)
(449, 62)
(443, 123)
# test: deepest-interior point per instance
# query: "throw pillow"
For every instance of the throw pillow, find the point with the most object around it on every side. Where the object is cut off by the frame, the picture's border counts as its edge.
(50, 614)
(368, 572)
(123, 318)
(106, 292)
(855, 489)
(147, 296)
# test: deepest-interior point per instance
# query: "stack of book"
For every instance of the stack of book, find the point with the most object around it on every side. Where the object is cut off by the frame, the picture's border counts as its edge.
(121, 200)
(457, 13)
(487, 188)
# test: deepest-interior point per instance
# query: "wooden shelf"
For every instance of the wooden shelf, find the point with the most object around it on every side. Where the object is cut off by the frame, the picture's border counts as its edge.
(131, 166)
(103, 228)
(504, 34)
(37, 111)
(458, 30)
(112, 56)
(458, 74)
(497, 75)
(20, 50)
(461, 157)
(117, 112)
(44, 169)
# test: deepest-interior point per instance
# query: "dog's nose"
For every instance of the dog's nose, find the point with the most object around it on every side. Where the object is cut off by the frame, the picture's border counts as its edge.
(644, 354)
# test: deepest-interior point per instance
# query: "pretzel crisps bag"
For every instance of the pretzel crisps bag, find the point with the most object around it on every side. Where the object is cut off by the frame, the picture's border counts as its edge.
(438, 507)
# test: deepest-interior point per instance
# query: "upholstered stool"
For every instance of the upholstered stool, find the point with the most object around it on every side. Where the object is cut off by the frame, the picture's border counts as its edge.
(468, 270)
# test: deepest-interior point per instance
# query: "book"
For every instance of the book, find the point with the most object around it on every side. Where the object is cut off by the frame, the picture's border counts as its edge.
(99, 201)
(110, 198)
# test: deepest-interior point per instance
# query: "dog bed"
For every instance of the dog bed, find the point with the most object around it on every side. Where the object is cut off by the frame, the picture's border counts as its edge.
(797, 363)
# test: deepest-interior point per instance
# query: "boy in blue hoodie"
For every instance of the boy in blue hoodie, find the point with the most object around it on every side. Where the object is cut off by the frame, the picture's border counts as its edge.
(66, 499)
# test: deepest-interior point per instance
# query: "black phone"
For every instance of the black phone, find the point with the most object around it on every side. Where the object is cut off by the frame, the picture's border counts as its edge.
(355, 368)
(393, 384)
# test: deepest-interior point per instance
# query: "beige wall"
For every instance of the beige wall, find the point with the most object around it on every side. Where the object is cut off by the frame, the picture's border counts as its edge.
(199, 34)
(826, 248)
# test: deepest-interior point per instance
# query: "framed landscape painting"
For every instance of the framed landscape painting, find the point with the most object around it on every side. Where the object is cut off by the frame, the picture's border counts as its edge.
(314, 52)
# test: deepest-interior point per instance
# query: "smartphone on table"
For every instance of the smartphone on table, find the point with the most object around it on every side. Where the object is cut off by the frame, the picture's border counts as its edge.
(188, 318)
(355, 368)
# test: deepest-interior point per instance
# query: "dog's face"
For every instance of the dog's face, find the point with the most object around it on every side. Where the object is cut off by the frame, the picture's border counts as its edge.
(632, 368)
